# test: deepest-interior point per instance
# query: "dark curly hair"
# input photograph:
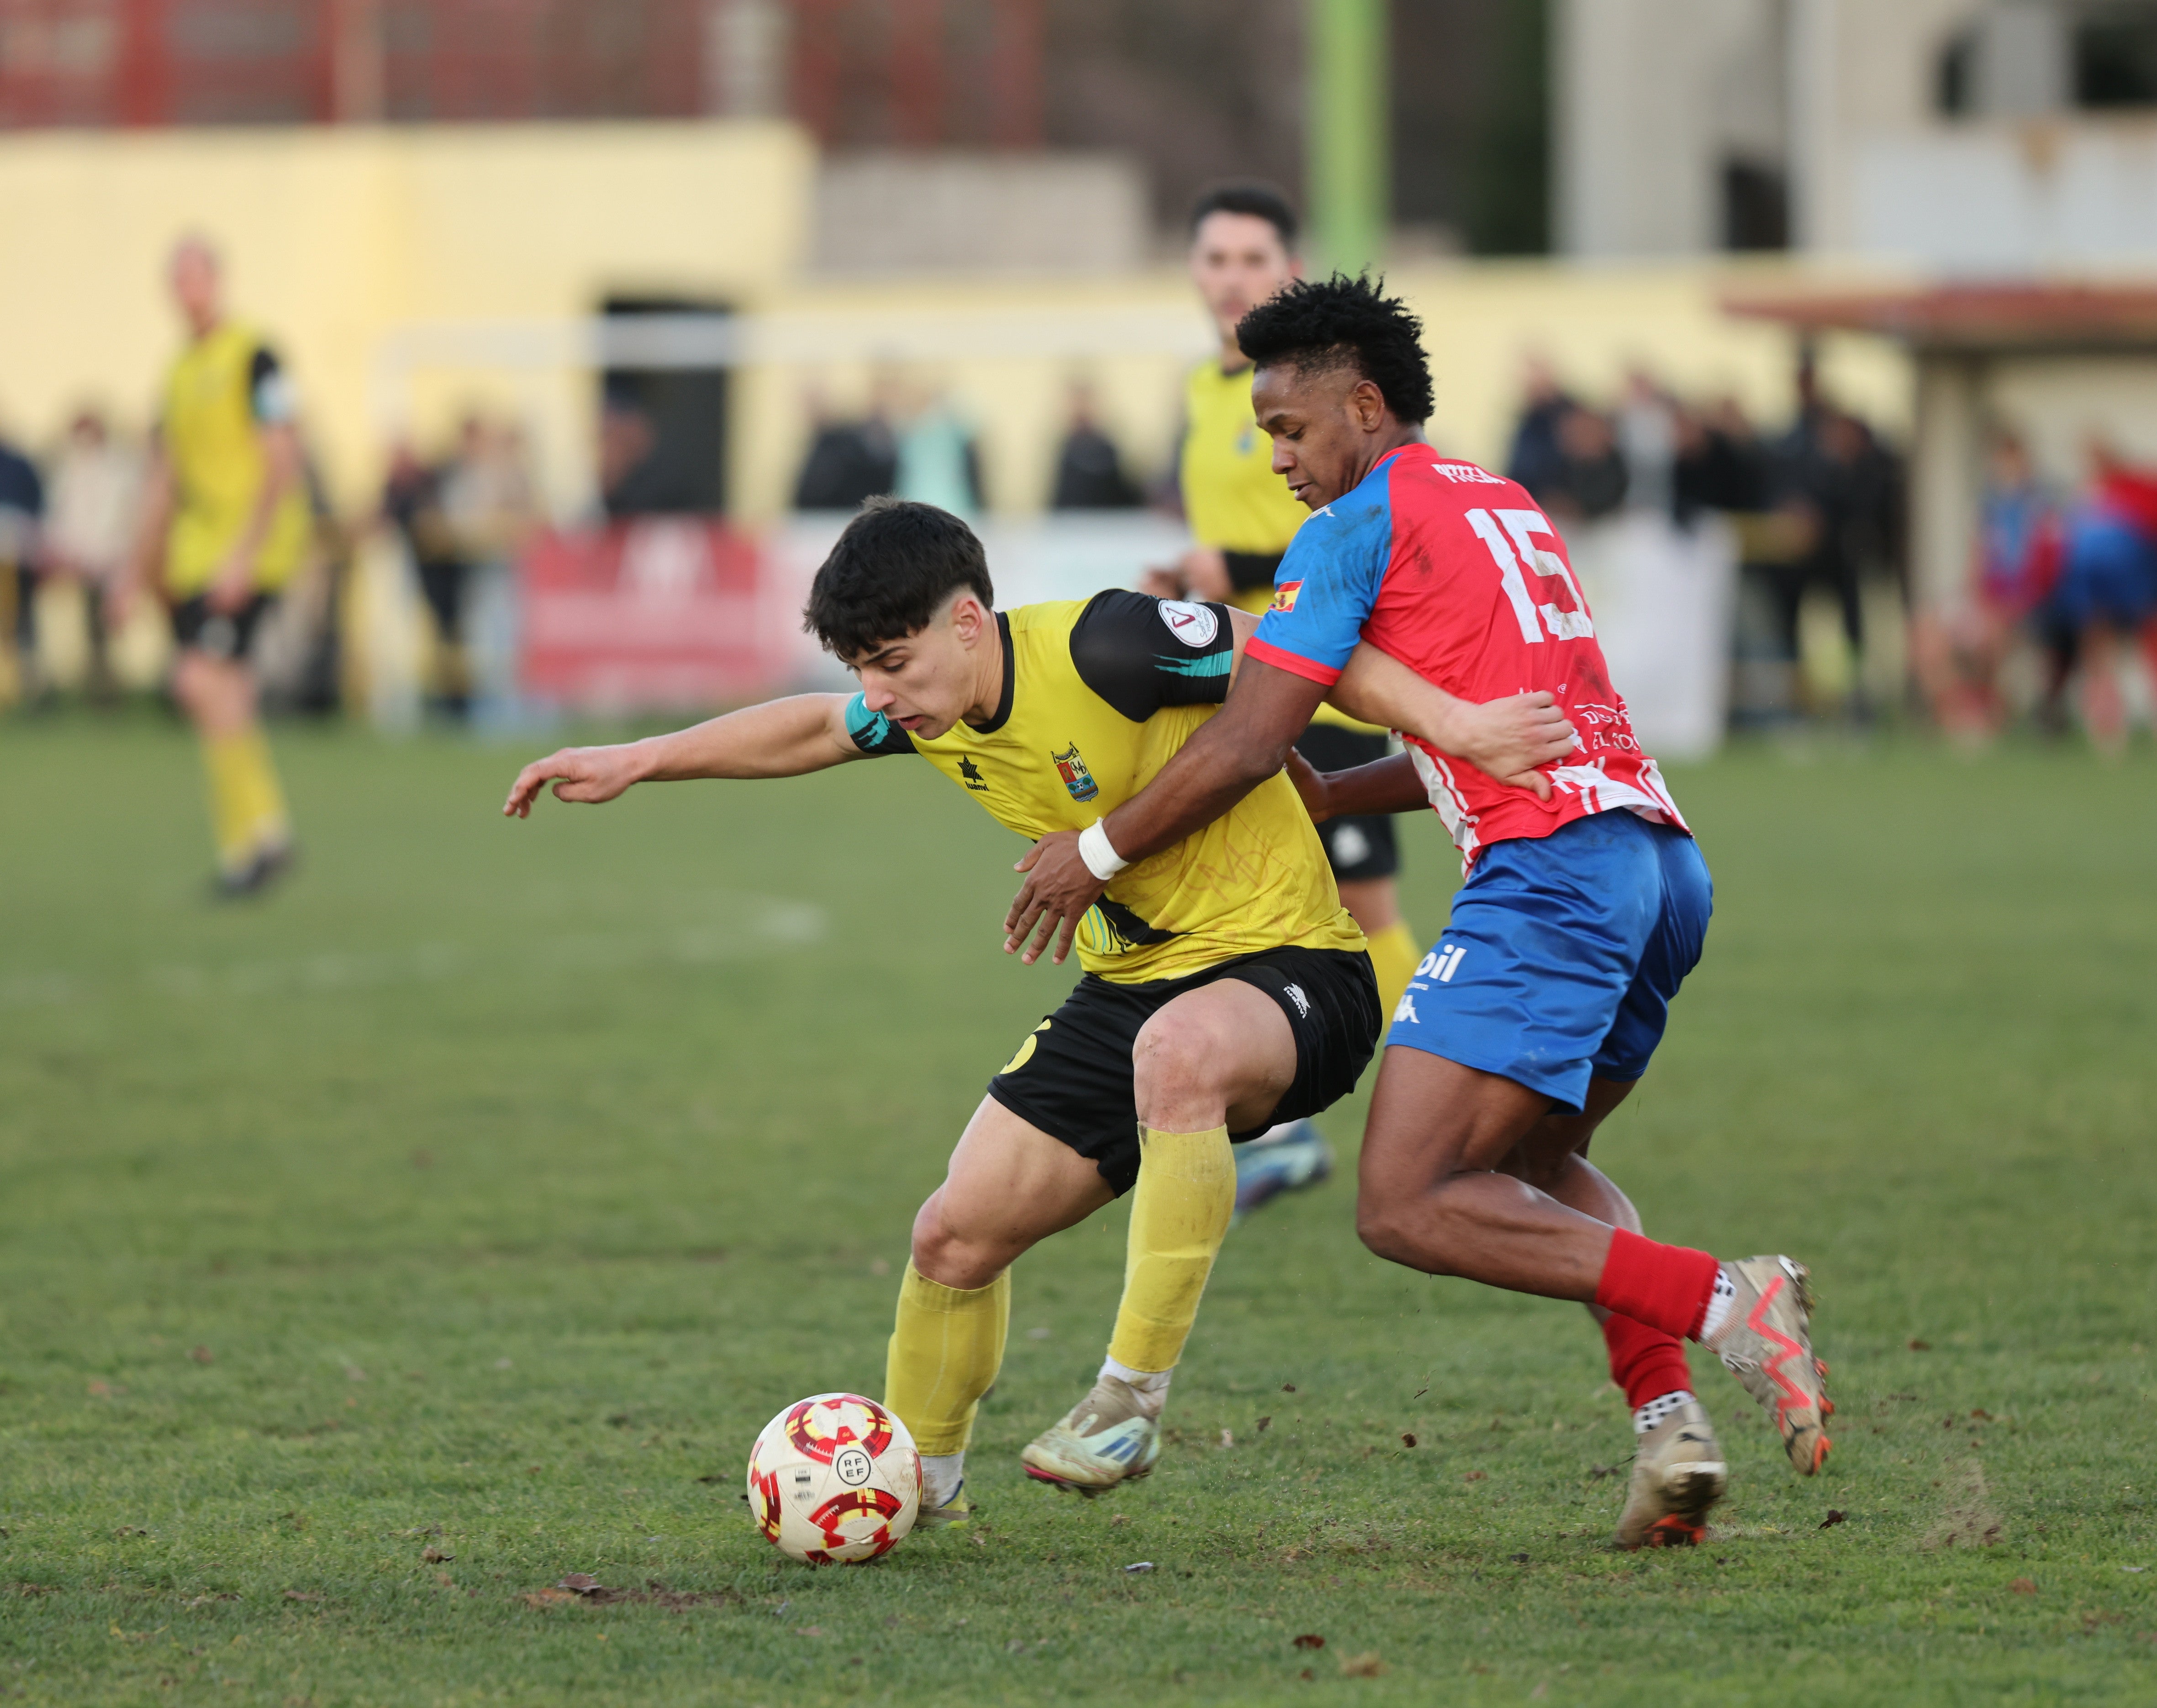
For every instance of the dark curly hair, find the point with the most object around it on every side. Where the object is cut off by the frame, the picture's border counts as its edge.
(890, 572)
(1342, 322)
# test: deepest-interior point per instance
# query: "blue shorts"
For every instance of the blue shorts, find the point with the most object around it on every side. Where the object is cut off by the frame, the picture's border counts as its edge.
(1562, 955)
(2110, 574)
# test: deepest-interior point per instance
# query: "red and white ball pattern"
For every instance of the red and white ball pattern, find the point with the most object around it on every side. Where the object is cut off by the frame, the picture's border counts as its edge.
(834, 1477)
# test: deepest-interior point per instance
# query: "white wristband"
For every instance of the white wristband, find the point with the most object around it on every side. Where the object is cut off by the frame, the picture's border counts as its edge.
(1098, 853)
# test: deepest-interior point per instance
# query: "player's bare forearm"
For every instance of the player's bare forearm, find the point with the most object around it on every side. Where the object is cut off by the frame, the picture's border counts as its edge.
(787, 737)
(1508, 739)
(1234, 751)
(1383, 786)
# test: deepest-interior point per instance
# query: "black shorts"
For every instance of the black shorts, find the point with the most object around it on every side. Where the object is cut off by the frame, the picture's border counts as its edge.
(1072, 1078)
(1356, 847)
(220, 634)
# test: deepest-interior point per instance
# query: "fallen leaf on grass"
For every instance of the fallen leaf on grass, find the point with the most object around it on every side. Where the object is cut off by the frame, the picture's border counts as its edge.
(1475, 1476)
(446, 1580)
(1518, 1559)
(1310, 1639)
(435, 1557)
(808, 1630)
(1308, 1676)
(1917, 1345)
(2023, 1586)
(1288, 1387)
(1982, 1415)
(1835, 1515)
(1121, 1518)
(1264, 1424)
(583, 1583)
(1407, 1437)
(1362, 1666)
(203, 1355)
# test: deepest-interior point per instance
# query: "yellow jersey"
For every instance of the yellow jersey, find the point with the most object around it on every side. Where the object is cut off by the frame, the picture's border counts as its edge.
(223, 389)
(1097, 696)
(1232, 497)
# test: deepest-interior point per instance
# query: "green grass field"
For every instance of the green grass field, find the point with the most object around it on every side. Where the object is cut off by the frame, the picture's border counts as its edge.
(481, 1195)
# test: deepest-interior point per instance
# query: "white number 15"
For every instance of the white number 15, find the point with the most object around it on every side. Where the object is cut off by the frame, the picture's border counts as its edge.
(1517, 528)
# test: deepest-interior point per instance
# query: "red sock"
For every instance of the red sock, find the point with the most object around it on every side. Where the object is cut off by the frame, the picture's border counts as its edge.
(1645, 1362)
(1665, 1287)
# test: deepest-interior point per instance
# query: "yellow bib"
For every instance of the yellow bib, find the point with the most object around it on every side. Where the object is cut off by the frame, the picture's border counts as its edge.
(1232, 497)
(1061, 757)
(213, 441)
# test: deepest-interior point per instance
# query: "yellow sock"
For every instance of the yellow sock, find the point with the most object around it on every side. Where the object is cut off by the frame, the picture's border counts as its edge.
(269, 824)
(246, 804)
(227, 763)
(945, 1350)
(1394, 952)
(1180, 1211)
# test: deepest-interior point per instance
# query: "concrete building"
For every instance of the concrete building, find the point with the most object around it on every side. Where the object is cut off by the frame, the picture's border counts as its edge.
(1967, 137)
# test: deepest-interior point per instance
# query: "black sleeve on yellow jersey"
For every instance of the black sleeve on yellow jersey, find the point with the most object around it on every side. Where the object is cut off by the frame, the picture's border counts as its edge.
(1141, 654)
(874, 734)
(1251, 569)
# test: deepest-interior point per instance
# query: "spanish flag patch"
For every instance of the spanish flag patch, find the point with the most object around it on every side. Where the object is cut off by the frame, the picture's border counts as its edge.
(1284, 596)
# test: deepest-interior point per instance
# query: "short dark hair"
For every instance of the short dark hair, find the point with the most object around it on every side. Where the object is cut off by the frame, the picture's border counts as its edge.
(1259, 200)
(894, 567)
(1317, 324)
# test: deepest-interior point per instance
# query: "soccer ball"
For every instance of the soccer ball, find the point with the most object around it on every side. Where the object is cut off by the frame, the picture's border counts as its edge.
(834, 1477)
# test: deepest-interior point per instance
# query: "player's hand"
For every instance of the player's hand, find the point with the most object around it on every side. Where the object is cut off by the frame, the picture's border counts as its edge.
(1159, 583)
(1509, 738)
(588, 774)
(1311, 784)
(1059, 888)
(231, 589)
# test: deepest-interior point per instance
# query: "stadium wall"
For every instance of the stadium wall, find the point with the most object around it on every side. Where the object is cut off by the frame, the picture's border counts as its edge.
(341, 242)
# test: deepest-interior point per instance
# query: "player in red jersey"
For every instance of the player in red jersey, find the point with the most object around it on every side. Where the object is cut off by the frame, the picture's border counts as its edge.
(1586, 903)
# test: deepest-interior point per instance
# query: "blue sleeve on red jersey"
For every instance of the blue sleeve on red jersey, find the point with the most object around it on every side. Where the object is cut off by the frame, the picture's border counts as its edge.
(1328, 583)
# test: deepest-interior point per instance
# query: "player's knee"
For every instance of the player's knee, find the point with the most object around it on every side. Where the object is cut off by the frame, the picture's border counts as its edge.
(1405, 1231)
(948, 1256)
(1176, 1058)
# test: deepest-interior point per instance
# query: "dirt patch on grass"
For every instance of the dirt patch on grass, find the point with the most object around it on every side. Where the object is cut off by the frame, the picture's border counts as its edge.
(1967, 1518)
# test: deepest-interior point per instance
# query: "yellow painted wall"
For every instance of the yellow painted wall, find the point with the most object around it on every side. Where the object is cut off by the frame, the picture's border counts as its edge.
(335, 238)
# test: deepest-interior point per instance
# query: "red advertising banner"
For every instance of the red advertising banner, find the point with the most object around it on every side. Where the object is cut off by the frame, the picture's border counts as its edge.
(660, 613)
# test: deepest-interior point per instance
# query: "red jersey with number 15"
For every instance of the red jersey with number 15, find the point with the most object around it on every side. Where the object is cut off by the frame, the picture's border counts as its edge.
(1455, 573)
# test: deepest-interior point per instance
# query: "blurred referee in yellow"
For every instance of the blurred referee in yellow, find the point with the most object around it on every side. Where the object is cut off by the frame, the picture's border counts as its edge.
(1242, 517)
(225, 525)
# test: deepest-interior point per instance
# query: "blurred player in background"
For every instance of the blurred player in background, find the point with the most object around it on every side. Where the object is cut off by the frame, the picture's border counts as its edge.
(225, 525)
(1243, 516)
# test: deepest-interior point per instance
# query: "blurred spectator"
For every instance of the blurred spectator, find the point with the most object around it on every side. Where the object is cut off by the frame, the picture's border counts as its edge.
(1535, 457)
(1089, 469)
(96, 488)
(412, 503)
(22, 515)
(1588, 481)
(628, 438)
(1959, 652)
(849, 461)
(940, 461)
(1647, 434)
(488, 493)
(1718, 464)
(1836, 490)
(2108, 591)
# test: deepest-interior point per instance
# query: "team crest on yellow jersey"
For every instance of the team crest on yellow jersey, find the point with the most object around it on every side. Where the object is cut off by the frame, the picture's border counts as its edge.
(1284, 596)
(1076, 777)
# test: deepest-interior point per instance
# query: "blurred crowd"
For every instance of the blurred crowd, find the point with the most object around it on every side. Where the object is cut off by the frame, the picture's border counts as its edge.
(911, 441)
(1817, 504)
(71, 518)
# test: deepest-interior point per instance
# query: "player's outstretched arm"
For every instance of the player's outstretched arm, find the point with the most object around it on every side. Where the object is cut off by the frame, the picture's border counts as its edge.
(1507, 739)
(786, 738)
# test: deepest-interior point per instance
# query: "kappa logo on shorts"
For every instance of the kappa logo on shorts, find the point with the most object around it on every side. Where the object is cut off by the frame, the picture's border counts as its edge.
(1302, 1002)
(1284, 597)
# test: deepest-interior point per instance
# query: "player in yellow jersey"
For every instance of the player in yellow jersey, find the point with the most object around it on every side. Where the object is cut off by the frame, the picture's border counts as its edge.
(1243, 516)
(226, 526)
(1225, 988)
